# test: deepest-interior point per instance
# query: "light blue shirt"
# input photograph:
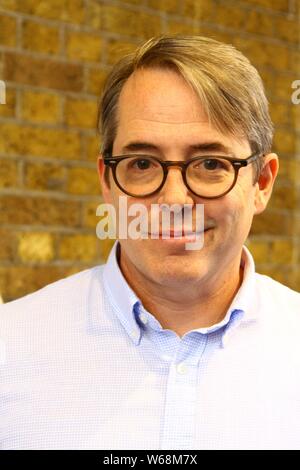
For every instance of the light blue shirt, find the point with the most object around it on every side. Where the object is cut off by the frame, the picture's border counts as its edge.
(85, 366)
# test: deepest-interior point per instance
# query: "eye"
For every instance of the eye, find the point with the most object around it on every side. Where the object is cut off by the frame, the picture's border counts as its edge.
(213, 164)
(142, 164)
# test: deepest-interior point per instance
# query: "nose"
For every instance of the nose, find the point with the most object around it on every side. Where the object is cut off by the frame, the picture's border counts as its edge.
(174, 190)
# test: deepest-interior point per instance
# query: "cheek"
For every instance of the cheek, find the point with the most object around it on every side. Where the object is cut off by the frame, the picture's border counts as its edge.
(234, 212)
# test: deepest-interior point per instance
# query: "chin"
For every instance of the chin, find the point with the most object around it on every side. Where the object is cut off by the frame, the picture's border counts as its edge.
(177, 270)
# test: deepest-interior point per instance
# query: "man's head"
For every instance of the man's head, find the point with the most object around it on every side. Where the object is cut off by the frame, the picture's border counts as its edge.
(228, 86)
(175, 94)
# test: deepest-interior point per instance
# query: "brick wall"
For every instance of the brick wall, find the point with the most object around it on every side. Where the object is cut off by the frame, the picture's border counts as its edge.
(53, 58)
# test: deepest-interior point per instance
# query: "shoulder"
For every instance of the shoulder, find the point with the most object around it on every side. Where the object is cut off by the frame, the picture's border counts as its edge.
(60, 296)
(279, 300)
(277, 290)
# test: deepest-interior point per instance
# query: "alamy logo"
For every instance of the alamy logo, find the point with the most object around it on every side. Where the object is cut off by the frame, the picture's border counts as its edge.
(2, 92)
(296, 95)
(157, 221)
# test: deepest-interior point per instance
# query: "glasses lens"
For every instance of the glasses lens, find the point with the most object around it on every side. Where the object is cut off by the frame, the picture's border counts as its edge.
(210, 177)
(139, 175)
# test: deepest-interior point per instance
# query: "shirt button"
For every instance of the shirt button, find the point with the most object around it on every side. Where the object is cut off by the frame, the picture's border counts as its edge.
(181, 368)
(135, 333)
(143, 318)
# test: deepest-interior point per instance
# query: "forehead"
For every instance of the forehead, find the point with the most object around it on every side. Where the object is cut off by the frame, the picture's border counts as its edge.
(159, 94)
(159, 106)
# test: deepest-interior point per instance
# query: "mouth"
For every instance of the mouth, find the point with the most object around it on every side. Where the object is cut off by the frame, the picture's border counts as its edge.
(174, 235)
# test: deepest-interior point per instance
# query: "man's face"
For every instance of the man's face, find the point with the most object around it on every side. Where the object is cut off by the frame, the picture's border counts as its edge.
(157, 107)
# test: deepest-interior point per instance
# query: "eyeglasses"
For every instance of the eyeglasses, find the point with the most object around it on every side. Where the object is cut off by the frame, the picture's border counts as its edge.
(208, 177)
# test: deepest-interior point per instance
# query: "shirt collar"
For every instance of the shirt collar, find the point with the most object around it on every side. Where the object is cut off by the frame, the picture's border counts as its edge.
(121, 296)
(244, 306)
(246, 298)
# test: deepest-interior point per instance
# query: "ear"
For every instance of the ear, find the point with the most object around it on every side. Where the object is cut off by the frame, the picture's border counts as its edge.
(103, 181)
(265, 183)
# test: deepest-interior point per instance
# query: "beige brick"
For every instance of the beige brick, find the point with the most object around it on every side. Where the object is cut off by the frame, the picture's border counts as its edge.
(283, 173)
(84, 46)
(105, 246)
(9, 108)
(214, 34)
(296, 285)
(284, 142)
(284, 197)
(118, 49)
(294, 171)
(282, 86)
(179, 27)
(278, 57)
(94, 14)
(8, 31)
(81, 113)
(280, 113)
(93, 145)
(26, 140)
(289, 171)
(38, 211)
(64, 10)
(90, 219)
(44, 176)
(40, 107)
(16, 281)
(7, 245)
(263, 54)
(279, 5)
(231, 17)
(79, 247)
(130, 23)
(259, 250)
(295, 60)
(271, 223)
(260, 23)
(297, 153)
(295, 115)
(83, 181)
(40, 38)
(200, 9)
(9, 4)
(286, 29)
(297, 226)
(268, 79)
(8, 173)
(294, 282)
(273, 91)
(95, 80)
(281, 252)
(167, 6)
(42, 72)
(35, 246)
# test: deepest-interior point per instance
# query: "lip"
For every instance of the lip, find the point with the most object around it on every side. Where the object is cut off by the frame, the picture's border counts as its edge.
(177, 236)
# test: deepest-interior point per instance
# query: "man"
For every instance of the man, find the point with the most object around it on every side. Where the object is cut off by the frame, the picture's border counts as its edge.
(165, 347)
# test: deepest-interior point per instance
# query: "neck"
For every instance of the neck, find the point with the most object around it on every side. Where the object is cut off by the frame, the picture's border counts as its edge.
(186, 307)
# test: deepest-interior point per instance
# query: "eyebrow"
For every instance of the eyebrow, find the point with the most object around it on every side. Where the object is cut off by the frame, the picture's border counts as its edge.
(214, 146)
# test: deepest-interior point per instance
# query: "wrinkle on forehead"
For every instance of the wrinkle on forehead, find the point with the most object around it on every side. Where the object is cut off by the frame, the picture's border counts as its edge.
(159, 95)
(158, 103)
